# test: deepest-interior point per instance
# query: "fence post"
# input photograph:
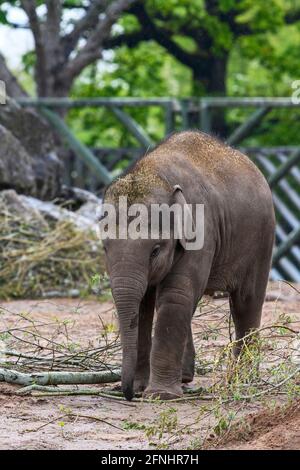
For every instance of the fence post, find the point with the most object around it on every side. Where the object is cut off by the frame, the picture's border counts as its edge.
(169, 119)
(79, 148)
(205, 117)
(184, 105)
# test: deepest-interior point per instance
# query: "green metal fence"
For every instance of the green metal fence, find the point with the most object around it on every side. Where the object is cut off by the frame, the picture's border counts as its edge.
(280, 165)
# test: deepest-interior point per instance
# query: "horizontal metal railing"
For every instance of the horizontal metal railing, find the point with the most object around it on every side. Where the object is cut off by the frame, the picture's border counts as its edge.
(283, 177)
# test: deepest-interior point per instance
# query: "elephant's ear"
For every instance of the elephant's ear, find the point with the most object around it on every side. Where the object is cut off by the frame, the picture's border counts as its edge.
(186, 217)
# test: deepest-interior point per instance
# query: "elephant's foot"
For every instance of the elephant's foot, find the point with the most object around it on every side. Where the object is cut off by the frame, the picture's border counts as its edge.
(188, 369)
(163, 393)
(140, 384)
(187, 377)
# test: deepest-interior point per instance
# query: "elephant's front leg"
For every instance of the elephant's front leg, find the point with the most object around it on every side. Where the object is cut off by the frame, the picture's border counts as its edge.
(174, 315)
(144, 340)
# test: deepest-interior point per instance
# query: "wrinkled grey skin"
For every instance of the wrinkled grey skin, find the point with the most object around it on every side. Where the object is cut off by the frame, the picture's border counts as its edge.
(239, 234)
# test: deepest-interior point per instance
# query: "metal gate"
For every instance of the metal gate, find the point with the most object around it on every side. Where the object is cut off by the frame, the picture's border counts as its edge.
(281, 165)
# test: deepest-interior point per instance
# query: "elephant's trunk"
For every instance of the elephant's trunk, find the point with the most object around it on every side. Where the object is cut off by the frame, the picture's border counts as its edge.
(128, 291)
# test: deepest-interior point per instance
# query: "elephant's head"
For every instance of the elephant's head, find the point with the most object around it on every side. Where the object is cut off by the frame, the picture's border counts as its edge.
(134, 264)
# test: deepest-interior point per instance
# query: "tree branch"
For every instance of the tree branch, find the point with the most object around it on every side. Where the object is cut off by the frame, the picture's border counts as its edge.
(57, 378)
(54, 12)
(94, 44)
(29, 7)
(17, 25)
(89, 21)
(161, 36)
(292, 17)
(13, 88)
(127, 39)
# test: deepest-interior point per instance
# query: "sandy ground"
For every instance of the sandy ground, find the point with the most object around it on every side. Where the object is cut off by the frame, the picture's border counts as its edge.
(93, 422)
(274, 431)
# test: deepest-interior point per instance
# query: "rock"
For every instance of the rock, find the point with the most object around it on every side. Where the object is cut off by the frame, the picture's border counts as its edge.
(91, 210)
(51, 211)
(31, 209)
(36, 138)
(15, 205)
(71, 293)
(79, 195)
(16, 166)
(82, 202)
(40, 212)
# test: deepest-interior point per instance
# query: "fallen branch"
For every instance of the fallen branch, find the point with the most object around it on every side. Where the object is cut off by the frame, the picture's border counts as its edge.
(76, 416)
(43, 391)
(53, 390)
(59, 362)
(59, 378)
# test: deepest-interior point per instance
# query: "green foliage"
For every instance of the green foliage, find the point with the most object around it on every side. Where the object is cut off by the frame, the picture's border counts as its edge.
(262, 62)
(4, 5)
(259, 40)
(223, 421)
(266, 65)
(159, 432)
(144, 71)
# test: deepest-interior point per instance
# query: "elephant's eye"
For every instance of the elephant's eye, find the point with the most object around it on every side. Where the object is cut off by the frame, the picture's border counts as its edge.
(155, 251)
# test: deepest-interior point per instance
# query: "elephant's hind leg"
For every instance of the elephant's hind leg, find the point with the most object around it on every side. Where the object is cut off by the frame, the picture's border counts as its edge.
(246, 314)
(246, 310)
(247, 300)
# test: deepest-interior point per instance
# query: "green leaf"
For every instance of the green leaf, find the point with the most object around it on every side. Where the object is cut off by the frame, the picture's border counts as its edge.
(3, 18)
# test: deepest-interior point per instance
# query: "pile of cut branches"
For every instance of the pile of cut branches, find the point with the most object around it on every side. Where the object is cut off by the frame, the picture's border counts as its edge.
(33, 346)
(40, 257)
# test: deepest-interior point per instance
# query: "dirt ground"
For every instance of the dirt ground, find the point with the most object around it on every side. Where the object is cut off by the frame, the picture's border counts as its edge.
(271, 431)
(93, 422)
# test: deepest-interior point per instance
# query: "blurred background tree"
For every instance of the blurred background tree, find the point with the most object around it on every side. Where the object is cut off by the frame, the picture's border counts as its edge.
(152, 48)
(174, 48)
(60, 54)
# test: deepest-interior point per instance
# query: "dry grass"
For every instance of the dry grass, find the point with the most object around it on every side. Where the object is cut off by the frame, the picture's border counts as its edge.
(38, 256)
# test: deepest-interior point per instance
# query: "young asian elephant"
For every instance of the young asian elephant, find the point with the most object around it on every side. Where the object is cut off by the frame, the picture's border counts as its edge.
(161, 274)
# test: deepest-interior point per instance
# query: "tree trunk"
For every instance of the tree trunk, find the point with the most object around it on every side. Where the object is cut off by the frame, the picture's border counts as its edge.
(210, 80)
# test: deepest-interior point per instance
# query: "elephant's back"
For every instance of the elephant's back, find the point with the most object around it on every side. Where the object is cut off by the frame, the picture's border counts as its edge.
(206, 153)
(223, 170)
(218, 163)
